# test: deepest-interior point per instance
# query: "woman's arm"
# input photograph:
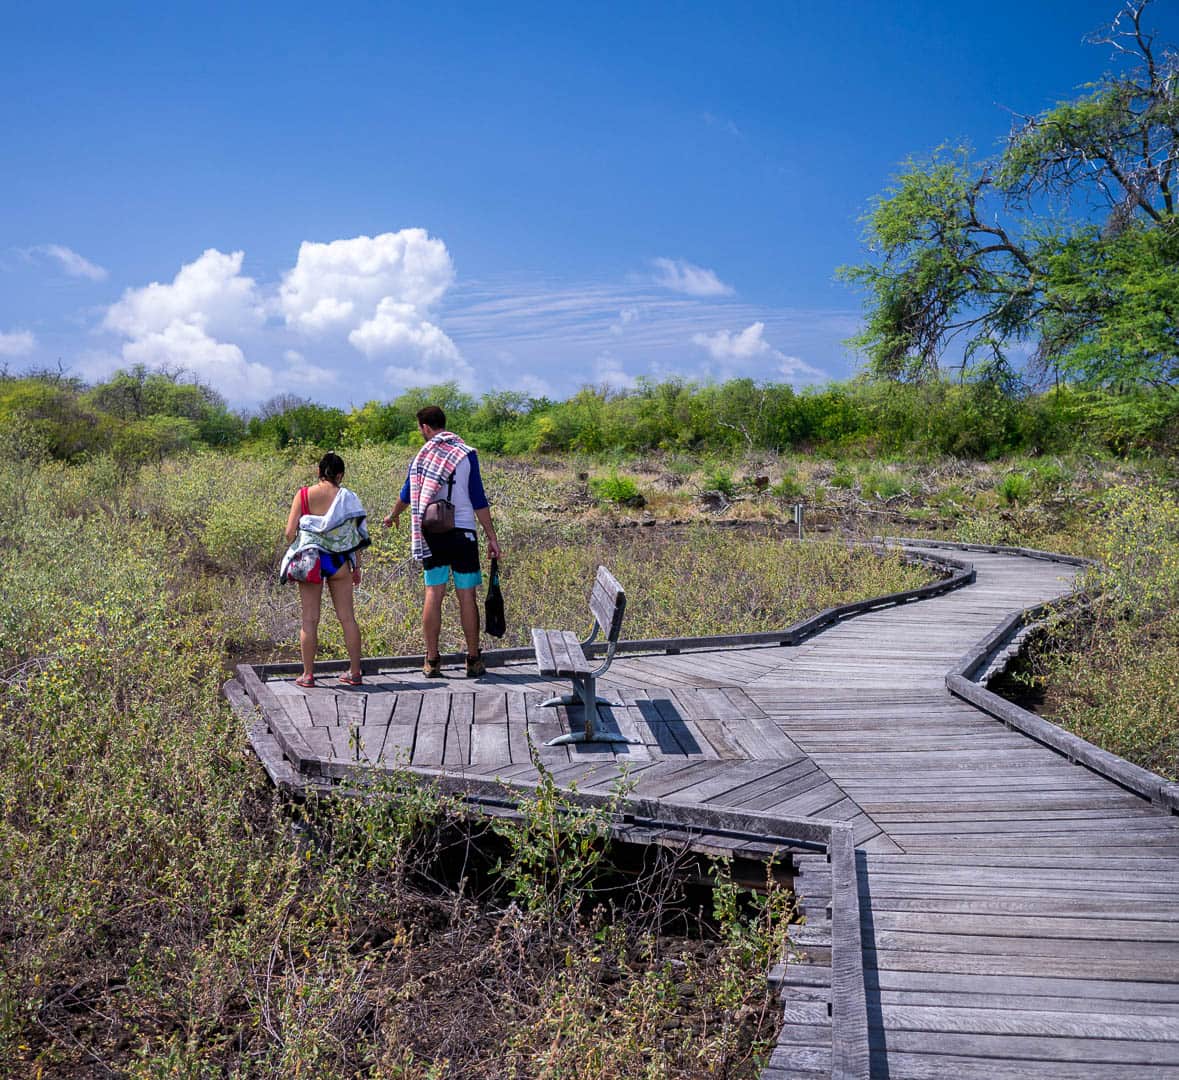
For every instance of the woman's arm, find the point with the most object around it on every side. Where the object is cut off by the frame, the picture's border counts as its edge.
(293, 518)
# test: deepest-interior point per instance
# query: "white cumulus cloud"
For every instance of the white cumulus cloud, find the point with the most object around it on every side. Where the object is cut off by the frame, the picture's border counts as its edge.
(684, 277)
(732, 350)
(70, 261)
(725, 345)
(340, 285)
(609, 372)
(796, 370)
(429, 373)
(221, 364)
(399, 327)
(181, 324)
(209, 292)
(379, 292)
(300, 372)
(17, 343)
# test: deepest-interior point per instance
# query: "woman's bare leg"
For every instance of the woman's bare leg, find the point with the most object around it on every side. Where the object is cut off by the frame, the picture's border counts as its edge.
(310, 593)
(340, 586)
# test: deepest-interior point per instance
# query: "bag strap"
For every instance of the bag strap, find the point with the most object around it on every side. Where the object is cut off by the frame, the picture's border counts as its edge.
(450, 486)
(303, 498)
(494, 575)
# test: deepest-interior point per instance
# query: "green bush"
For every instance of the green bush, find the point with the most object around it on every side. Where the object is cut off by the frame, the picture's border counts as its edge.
(882, 485)
(614, 489)
(721, 479)
(842, 478)
(789, 487)
(242, 532)
(1015, 487)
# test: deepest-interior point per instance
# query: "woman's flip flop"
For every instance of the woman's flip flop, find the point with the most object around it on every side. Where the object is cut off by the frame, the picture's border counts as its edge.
(305, 682)
(348, 679)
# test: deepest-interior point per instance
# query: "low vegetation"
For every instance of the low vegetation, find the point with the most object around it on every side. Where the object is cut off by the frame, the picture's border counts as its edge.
(161, 913)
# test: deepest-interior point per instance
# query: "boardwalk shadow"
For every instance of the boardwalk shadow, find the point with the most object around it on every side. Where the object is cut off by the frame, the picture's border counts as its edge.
(877, 1040)
(672, 734)
(607, 724)
(496, 677)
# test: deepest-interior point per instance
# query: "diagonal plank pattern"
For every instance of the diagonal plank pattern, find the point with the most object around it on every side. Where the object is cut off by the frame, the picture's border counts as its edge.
(1017, 912)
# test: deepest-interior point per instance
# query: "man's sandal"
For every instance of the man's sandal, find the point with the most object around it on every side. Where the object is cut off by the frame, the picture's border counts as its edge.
(348, 679)
(305, 682)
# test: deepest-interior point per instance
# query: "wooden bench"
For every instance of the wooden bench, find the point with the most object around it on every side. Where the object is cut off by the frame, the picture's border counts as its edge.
(559, 654)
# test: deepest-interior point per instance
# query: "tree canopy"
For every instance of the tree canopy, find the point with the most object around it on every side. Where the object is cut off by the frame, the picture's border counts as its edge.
(1066, 243)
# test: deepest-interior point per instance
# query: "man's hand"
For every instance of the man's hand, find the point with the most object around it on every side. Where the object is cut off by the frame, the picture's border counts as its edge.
(493, 549)
(389, 520)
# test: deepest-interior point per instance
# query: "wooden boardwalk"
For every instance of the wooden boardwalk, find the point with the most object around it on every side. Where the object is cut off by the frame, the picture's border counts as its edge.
(1017, 915)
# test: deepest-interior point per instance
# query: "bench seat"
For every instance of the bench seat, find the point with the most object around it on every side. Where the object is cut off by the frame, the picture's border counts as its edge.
(559, 654)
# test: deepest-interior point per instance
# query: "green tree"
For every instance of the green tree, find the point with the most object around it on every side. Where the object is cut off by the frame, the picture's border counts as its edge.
(50, 418)
(153, 438)
(967, 250)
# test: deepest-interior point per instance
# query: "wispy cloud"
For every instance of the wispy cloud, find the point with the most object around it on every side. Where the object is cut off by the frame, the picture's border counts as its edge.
(722, 122)
(69, 261)
(686, 277)
(579, 333)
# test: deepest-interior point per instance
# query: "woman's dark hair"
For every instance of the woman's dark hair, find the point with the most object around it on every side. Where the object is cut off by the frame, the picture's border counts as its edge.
(331, 467)
(432, 417)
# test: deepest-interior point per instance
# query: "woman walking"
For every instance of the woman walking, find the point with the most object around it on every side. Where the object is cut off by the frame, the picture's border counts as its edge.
(327, 530)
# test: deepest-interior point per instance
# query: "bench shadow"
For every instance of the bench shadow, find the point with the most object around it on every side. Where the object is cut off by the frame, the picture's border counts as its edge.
(672, 735)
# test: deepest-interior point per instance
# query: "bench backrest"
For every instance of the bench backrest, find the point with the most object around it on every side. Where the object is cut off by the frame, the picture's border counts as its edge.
(607, 603)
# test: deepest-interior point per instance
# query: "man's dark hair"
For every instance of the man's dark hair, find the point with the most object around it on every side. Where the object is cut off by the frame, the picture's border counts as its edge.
(331, 467)
(432, 417)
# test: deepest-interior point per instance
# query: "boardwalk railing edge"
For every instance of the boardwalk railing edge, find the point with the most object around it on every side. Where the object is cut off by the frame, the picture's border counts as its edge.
(992, 549)
(960, 682)
(958, 573)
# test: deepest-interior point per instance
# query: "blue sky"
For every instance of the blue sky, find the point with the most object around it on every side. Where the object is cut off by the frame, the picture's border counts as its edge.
(340, 201)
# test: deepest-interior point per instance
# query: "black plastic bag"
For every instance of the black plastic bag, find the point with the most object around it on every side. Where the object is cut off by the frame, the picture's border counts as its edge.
(493, 608)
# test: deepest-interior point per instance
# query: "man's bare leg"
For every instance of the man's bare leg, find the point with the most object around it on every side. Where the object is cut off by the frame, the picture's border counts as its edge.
(469, 615)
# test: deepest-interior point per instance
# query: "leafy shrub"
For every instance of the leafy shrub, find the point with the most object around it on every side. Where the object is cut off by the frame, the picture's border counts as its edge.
(614, 488)
(1049, 476)
(721, 479)
(242, 532)
(842, 478)
(882, 485)
(1014, 488)
(789, 487)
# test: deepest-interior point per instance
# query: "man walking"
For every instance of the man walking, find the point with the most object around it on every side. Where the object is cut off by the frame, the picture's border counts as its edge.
(446, 468)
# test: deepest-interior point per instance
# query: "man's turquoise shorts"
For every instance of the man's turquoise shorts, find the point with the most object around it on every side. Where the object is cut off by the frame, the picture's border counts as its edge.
(457, 552)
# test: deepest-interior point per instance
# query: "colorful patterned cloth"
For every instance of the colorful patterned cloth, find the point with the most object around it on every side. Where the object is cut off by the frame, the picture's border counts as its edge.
(341, 531)
(434, 465)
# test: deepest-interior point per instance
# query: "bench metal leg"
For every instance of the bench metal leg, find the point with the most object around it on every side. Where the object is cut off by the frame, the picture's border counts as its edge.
(586, 695)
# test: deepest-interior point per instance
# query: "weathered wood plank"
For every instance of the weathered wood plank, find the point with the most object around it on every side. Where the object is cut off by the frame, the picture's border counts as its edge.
(457, 750)
(849, 1009)
(430, 738)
